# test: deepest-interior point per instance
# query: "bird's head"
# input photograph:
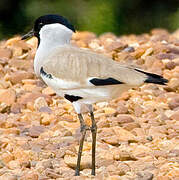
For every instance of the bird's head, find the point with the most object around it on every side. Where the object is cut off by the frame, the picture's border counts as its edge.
(50, 26)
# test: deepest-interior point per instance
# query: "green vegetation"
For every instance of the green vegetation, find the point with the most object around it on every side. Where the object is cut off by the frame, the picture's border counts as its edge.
(99, 16)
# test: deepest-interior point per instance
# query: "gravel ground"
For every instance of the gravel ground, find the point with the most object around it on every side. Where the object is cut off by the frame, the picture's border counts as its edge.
(137, 132)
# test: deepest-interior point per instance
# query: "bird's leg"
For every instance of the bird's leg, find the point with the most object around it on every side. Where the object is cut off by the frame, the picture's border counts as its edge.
(83, 129)
(93, 131)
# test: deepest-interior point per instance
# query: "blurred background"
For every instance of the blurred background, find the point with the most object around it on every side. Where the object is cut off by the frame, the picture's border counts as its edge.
(99, 16)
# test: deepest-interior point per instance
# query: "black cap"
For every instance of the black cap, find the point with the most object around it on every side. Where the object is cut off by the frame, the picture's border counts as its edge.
(48, 19)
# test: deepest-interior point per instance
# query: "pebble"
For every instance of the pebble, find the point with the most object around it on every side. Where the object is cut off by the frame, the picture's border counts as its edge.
(71, 161)
(30, 175)
(144, 175)
(21, 64)
(124, 135)
(48, 91)
(131, 126)
(163, 178)
(175, 115)
(5, 53)
(35, 131)
(18, 76)
(123, 155)
(31, 97)
(7, 96)
(173, 103)
(8, 176)
(108, 110)
(7, 157)
(39, 103)
(51, 174)
(14, 164)
(123, 118)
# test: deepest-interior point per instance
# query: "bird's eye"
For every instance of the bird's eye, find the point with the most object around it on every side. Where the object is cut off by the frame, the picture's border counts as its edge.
(41, 24)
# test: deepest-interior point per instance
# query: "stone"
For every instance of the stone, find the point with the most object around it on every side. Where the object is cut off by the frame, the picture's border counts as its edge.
(131, 126)
(7, 96)
(14, 164)
(174, 153)
(48, 91)
(5, 53)
(31, 97)
(173, 83)
(114, 170)
(18, 76)
(21, 64)
(109, 110)
(148, 52)
(163, 178)
(160, 153)
(144, 175)
(45, 109)
(173, 173)
(124, 135)
(6, 157)
(114, 46)
(8, 176)
(30, 175)
(121, 108)
(35, 131)
(112, 140)
(46, 119)
(71, 161)
(175, 115)
(47, 164)
(39, 103)
(173, 102)
(50, 173)
(123, 118)
(122, 155)
(4, 84)
(16, 108)
(83, 35)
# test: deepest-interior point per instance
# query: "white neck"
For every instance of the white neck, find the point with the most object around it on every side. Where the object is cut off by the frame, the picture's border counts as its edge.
(51, 37)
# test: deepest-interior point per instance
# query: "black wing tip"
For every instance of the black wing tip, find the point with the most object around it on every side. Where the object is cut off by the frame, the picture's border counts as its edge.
(161, 80)
(154, 78)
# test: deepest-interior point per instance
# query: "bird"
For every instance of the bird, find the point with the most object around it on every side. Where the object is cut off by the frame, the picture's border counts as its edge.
(79, 75)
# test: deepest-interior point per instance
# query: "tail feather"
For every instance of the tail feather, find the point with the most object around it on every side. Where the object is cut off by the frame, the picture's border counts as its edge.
(153, 78)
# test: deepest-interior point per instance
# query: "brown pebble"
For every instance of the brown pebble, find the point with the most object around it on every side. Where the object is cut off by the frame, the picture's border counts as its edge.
(30, 175)
(175, 115)
(18, 76)
(31, 97)
(5, 53)
(35, 131)
(7, 96)
(8, 176)
(14, 164)
(50, 173)
(173, 103)
(144, 175)
(122, 119)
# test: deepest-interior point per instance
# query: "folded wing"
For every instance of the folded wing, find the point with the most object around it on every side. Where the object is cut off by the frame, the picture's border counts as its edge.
(83, 68)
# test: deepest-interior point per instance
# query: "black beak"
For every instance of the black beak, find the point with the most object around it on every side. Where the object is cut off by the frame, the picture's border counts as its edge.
(28, 35)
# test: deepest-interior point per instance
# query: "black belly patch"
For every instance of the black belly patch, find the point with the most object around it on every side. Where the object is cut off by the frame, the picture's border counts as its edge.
(104, 82)
(43, 73)
(72, 98)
